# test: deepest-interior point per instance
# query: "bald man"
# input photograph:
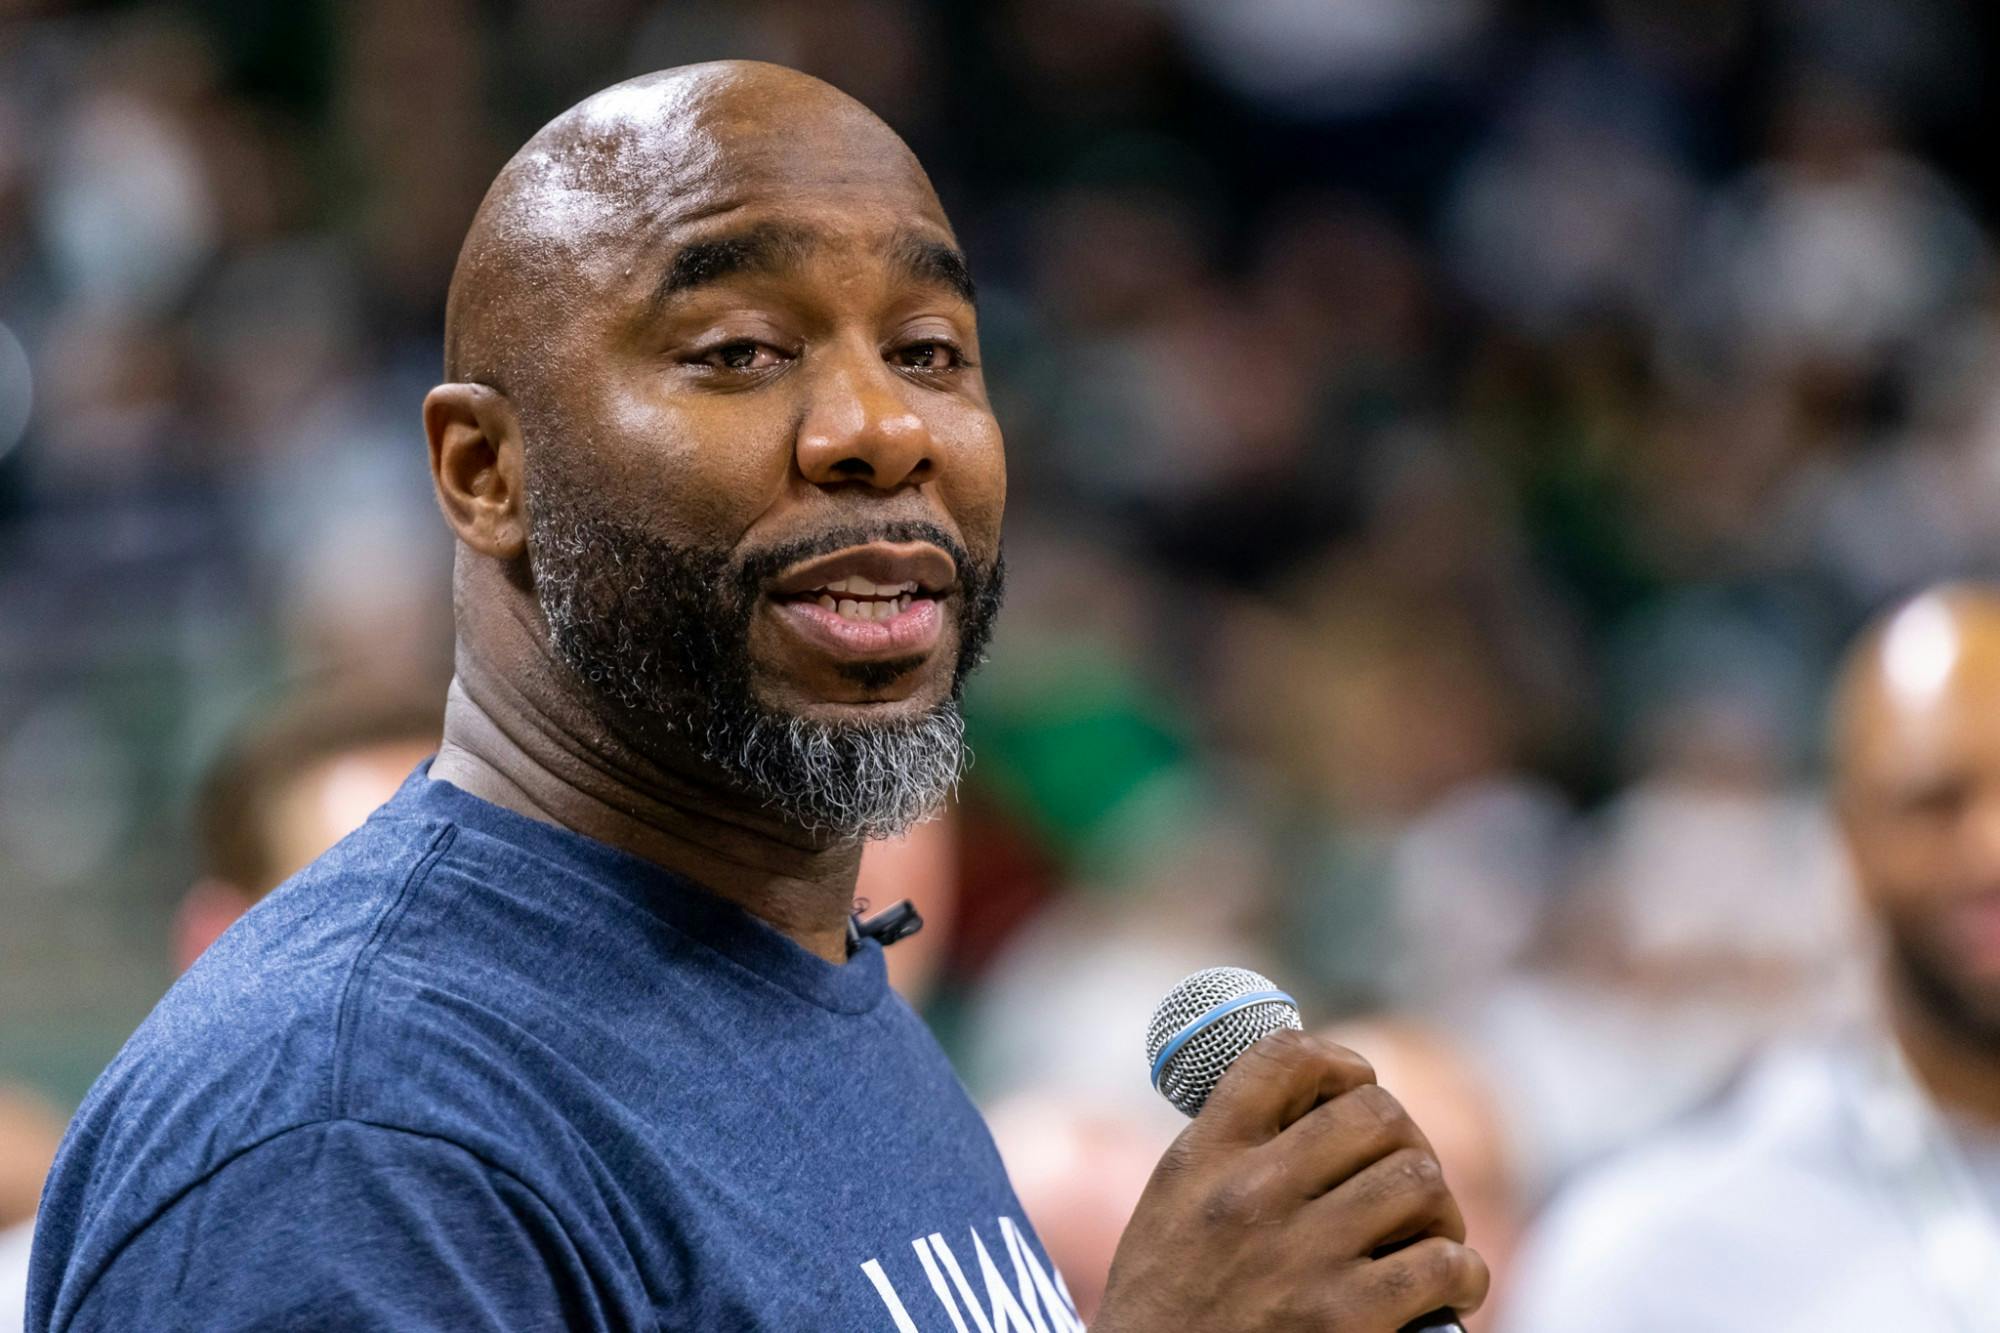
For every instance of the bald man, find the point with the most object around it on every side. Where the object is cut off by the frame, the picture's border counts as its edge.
(575, 1032)
(1852, 1183)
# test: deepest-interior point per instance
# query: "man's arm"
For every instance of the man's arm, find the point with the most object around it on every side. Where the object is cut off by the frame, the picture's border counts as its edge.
(350, 1226)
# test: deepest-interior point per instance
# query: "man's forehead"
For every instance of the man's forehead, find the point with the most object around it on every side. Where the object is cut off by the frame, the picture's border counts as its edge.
(661, 161)
(596, 200)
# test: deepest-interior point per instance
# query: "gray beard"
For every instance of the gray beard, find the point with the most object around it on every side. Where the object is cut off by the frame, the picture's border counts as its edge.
(850, 783)
(635, 621)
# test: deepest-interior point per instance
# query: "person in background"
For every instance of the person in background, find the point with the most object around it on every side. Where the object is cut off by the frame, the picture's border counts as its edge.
(293, 780)
(30, 1129)
(1453, 1098)
(1079, 1162)
(1850, 1182)
(922, 866)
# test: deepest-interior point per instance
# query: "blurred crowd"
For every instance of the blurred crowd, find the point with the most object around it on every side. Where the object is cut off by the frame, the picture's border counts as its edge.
(1450, 444)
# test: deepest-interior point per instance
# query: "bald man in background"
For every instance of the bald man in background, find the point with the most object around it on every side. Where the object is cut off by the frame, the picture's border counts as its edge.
(1851, 1183)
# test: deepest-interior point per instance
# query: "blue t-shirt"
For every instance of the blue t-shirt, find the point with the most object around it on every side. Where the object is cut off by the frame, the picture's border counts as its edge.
(473, 1072)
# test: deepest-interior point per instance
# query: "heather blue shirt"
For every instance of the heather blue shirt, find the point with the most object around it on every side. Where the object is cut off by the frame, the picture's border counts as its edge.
(473, 1072)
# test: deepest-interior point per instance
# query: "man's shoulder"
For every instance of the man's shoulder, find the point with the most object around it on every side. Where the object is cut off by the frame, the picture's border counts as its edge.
(246, 1035)
(351, 991)
(337, 1222)
(285, 1024)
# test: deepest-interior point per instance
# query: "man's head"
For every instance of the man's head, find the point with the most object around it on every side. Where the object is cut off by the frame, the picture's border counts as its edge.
(716, 427)
(1917, 785)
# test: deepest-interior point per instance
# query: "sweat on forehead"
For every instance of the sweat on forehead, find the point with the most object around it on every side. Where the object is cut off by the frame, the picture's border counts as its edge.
(609, 176)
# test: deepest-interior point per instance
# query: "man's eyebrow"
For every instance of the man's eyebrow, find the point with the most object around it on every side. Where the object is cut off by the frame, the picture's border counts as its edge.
(771, 246)
(934, 262)
(760, 249)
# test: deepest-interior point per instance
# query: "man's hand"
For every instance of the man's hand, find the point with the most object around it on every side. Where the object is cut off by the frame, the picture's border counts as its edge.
(1275, 1208)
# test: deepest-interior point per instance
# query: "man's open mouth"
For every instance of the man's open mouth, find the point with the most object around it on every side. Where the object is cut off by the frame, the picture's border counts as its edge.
(861, 598)
(879, 581)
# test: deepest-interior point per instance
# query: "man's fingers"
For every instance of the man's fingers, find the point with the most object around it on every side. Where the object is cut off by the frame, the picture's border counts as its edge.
(1433, 1274)
(1276, 1082)
(1340, 1138)
(1400, 1197)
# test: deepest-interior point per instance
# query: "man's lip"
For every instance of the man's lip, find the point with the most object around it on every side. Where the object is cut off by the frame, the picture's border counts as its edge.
(913, 633)
(879, 562)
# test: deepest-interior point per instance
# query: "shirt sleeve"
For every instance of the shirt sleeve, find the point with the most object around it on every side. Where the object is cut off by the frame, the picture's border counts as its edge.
(350, 1226)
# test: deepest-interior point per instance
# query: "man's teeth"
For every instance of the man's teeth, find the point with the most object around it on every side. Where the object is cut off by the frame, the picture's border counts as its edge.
(861, 587)
(870, 610)
(884, 600)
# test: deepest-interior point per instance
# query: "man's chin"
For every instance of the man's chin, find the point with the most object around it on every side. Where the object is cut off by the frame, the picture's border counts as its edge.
(848, 771)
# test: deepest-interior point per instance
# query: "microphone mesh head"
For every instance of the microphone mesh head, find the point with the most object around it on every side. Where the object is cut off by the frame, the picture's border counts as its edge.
(1204, 1023)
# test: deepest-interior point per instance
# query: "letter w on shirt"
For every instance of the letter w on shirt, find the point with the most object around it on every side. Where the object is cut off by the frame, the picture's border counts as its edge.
(1036, 1303)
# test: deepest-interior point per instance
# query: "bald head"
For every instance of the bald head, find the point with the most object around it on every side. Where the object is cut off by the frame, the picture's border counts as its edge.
(597, 200)
(1912, 684)
(1916, 751)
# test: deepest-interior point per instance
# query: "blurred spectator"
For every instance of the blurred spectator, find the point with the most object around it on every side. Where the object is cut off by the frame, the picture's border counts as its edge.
(1451, 1096)
(921, 866)
(290, 784)
(1063, 1009)
(1840, 250)
(1576, 209)
(1383, 708)
(1079, 1165)
(1852, 1183)
(1303, 59)
(30, 1129)
(1705, 905)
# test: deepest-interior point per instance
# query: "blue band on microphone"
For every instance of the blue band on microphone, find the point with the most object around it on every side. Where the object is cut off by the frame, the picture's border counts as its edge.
(1202, 1020)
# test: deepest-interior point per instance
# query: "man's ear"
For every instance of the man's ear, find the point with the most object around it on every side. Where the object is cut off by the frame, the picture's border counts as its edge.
(475, 439)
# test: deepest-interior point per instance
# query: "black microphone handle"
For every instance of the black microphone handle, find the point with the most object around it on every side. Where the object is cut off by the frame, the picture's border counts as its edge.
(1437, 1321)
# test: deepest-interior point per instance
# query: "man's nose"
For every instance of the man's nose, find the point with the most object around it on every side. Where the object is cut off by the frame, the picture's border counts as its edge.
(859, 427)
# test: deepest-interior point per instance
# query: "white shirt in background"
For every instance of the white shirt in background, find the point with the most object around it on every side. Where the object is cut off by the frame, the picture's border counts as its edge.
(1766, 1215)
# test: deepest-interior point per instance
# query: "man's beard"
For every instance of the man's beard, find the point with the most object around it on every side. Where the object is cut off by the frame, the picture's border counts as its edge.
(1923, 972)
(659, 635)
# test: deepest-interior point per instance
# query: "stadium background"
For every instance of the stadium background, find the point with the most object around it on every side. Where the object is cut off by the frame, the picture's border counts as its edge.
(1450, 441)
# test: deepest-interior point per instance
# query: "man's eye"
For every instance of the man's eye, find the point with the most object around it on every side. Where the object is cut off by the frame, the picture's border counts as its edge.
(742, 356)
(929, 356)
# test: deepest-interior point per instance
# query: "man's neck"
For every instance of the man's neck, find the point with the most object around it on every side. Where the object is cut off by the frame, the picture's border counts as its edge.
(1961, 1074)
(518, 740)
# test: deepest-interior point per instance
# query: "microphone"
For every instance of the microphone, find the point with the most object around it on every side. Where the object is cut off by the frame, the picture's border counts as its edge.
(1198, 1030)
